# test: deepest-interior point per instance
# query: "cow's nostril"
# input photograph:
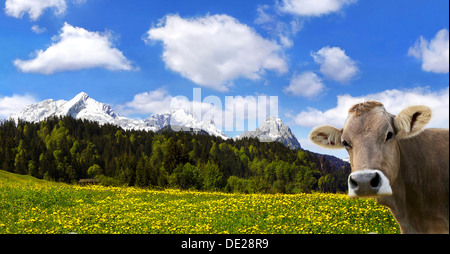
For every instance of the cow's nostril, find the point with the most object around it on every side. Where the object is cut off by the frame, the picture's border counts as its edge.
(353, 183)
(375, 182)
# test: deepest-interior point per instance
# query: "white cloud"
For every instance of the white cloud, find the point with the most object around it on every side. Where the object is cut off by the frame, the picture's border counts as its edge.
(37, 29)
(35, 8)
(434, 54)
(157, 101)
(394, 101)
(212, 51)
(268, 19)
(75, 49)
(335, 64)
(311, 8)
(14, 104)
(306, 84)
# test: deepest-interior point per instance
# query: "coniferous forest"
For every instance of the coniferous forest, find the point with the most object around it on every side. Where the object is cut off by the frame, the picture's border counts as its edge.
(65, 149)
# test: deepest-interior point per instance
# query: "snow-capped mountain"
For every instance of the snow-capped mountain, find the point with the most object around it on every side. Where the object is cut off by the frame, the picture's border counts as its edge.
(273, 129)
(84, 107)
(80, 107)
(185, 118)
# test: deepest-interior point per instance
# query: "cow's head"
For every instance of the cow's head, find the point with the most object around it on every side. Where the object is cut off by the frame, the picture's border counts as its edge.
(370, 136)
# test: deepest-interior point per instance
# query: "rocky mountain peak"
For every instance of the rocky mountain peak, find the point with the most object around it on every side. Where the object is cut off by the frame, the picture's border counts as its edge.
(273, 129)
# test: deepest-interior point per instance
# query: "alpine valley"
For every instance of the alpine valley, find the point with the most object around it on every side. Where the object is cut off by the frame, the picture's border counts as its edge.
(84, 107)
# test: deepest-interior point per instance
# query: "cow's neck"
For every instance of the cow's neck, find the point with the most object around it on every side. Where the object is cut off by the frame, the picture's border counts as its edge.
(407, 204)
(397, 204)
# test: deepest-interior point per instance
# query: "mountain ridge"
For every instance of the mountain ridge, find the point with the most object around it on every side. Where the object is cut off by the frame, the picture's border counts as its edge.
(82, 106)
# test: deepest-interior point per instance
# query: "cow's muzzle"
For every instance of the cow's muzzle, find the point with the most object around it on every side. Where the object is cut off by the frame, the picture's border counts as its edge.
(368, 183)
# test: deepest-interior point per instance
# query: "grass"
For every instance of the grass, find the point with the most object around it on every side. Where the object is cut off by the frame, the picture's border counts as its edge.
(29, 205)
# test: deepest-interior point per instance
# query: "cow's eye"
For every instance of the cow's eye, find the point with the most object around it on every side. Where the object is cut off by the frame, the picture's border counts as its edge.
(346, 144)
(389, 136)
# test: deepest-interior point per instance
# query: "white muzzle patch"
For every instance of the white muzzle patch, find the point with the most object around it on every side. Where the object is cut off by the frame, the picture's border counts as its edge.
(368, 183)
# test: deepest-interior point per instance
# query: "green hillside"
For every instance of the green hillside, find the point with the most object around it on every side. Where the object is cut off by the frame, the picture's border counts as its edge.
(7, 178)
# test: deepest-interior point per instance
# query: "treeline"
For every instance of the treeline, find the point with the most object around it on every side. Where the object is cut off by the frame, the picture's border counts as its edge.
(67, 150)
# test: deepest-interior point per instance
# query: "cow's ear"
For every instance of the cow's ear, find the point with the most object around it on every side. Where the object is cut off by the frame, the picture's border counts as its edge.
(411, 121)
(326, 136)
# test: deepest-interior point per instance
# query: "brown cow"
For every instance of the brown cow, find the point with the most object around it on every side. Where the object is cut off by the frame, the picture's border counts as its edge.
(396, 161)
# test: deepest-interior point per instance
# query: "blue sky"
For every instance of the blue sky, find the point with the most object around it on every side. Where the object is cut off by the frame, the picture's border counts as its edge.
(317, 57)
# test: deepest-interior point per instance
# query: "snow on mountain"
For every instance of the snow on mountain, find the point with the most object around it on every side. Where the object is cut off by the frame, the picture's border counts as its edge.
(80, 107)
(84, 107)
(38, 111)
(273, 129)
(185, 118)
